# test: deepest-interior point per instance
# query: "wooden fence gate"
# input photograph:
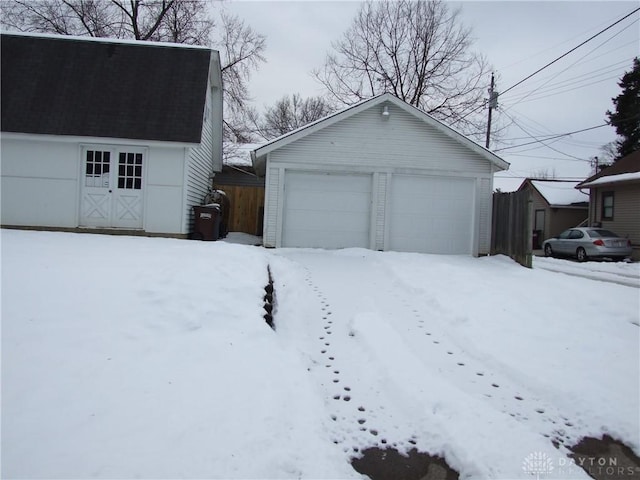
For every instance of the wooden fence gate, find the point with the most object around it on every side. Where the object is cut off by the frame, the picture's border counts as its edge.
(512, 227)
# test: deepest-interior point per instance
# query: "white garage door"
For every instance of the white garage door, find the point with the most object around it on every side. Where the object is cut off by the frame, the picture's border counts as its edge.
(431, 214)
(326, 210)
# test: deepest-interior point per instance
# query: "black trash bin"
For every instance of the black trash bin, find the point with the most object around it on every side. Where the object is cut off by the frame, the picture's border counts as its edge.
(535, 242)
(206, 225)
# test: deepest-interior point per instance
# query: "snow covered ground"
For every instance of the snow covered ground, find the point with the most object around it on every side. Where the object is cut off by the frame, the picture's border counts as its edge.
(603, 270)
(132, 357)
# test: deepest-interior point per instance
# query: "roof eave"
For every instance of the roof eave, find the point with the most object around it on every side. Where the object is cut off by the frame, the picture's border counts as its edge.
(596, 184)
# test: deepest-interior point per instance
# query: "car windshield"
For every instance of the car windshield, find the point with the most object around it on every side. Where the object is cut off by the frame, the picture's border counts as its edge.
(601, 234)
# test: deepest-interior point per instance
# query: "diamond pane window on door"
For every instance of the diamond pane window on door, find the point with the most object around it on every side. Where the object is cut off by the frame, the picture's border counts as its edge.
(130, 171)
(97, 168)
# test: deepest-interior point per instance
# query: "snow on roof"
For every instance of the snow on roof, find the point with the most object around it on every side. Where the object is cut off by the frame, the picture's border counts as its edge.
(123, 41)
(621, 177)
(560, 192)
(238, 154)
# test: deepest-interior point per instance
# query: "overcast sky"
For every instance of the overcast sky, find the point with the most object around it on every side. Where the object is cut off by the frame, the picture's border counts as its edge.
(516, 37)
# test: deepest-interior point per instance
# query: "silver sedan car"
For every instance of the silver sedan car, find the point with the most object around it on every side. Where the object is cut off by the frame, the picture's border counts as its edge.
(588, 242)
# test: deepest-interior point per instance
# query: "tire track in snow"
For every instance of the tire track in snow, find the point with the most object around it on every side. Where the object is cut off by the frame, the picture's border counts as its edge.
(354, 420)
(464, 368)
(337, 390)
(395, 375)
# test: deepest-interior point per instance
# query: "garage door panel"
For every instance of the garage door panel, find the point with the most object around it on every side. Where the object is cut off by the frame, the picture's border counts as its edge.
(326, 210)
(325, 201)
(431, 214)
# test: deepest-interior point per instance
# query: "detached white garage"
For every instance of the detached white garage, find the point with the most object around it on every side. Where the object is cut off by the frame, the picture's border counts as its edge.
(381, 175)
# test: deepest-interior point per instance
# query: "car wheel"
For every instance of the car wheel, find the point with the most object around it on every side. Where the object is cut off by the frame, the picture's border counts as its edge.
(548, 251)
(581, 255)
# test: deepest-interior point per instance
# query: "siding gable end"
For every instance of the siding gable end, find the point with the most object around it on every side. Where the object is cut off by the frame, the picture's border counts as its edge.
(399, 140)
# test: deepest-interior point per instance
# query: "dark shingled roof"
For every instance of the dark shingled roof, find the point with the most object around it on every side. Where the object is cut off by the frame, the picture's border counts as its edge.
(67, 86)
(627, 164)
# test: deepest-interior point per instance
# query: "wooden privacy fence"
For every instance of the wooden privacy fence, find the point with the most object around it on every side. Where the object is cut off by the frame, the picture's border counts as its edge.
(247, 208)
(512, 226)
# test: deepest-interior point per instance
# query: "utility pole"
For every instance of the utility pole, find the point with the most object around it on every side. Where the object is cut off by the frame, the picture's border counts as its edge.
(493, 103)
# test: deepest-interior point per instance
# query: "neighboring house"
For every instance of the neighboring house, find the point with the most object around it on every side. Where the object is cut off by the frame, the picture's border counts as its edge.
(107, 134)
(244, 189)
(557, 206)
(381, 175)
(614, 199)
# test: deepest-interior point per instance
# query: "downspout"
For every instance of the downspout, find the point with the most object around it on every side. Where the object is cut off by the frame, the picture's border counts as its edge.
(592, 206)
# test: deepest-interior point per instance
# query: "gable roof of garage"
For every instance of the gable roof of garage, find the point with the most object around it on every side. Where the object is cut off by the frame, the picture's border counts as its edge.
(60, 85)
(557, 193)
(259, 155)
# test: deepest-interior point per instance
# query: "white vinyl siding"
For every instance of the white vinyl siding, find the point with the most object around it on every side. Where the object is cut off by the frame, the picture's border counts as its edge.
(42, 179)
(200, 164)
(271, 206)
(39, 183)
(380, 205)
(368, 139)
(485, 207)
(164, 191)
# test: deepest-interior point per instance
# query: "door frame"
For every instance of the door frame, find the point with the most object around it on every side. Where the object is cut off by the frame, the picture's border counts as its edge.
(286, 174)
(473, 219)
(115, 151)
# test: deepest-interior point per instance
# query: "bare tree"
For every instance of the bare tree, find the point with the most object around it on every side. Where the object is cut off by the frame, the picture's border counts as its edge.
(242, 52)
(416, 50)
(544, 174)
(180, 21)
(608, 153)
(290, 113)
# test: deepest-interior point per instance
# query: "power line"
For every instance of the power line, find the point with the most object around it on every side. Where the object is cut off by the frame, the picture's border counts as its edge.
(576, 81)
(541, 141)
(557, 91)
(540, 93)
(566, 179)
(568, 40)
(572, 50)
(560, 135)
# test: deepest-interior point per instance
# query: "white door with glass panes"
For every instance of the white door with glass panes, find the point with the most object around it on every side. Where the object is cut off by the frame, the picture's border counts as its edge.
(112, 193)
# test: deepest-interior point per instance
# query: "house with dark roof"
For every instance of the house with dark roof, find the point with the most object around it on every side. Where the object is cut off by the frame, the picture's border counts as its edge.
(380, 174)
(107, 134)
(556, 206)
(614, 199)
